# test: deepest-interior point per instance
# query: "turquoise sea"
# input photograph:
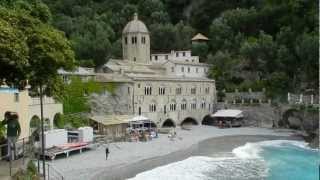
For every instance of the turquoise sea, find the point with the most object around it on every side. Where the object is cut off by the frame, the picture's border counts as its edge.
(292, 162)
(266, 160)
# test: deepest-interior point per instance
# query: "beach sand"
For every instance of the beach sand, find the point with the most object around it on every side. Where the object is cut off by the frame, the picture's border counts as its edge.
(126, 159)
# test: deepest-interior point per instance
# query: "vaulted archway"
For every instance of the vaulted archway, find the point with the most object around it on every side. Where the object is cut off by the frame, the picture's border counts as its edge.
(58, 121)
(168, 123)
(208, 120)
(34, 128)
(189, 121)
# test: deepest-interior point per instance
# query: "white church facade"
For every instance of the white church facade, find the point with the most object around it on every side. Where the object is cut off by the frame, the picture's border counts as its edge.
(169, 89)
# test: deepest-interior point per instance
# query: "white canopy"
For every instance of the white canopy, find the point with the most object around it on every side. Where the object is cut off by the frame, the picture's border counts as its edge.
(138, 118)
(234, 113)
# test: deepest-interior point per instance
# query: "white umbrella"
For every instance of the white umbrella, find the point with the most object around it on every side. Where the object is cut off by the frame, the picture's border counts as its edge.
(234, 113)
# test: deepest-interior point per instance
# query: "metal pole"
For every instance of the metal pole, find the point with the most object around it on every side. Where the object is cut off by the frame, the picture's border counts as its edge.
(48, 171)
(38, 156)
(42, 133)
(10, 156)
(23, 151)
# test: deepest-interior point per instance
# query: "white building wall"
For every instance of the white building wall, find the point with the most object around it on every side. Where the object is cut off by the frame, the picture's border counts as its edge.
(27, 107)
(50, 109)
(179, 56)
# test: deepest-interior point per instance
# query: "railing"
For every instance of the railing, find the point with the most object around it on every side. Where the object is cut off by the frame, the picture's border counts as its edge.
(20, 145)
(23, 148)
(53, 173)
(303, 99)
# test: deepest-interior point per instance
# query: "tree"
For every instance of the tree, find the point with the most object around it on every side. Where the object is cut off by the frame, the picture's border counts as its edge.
(162, 37)
(13, 50)
(31, 49)
(44, 48)
(200, 49)
(184, 33)
(220, 35)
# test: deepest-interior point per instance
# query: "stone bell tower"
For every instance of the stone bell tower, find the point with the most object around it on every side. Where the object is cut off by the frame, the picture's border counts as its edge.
(136, 41)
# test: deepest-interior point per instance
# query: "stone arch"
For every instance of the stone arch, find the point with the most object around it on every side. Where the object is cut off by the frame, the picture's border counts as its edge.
(291, 118)
(189, 121)
(169, 123)
(35, 123)
(34, 127)
(207, 120)
(58, 121)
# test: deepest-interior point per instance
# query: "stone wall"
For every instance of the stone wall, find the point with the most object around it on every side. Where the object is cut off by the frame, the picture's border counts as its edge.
(258, 115)
(244, 96)
(164, 101)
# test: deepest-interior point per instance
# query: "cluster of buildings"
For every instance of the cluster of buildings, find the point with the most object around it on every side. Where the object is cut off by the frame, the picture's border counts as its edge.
(168, 88)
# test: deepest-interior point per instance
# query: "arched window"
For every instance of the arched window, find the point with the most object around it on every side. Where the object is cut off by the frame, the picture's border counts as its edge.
(203, 104)
(178, 90)
(193, 104)
(207, 90)
(183, 104)
(173, 105)
(143, 40)
(147, 90)
(153, 106)
(162, 90)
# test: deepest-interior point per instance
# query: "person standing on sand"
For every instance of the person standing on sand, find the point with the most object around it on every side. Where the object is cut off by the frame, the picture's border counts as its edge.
(107, 152)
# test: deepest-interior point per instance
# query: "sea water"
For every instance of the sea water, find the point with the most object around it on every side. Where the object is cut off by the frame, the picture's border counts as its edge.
(267, 160)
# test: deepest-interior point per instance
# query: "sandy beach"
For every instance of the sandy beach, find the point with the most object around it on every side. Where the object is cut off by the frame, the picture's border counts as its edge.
(126, 159)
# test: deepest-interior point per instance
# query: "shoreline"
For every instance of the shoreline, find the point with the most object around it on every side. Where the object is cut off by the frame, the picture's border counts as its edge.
(126, 159)
(207, 147)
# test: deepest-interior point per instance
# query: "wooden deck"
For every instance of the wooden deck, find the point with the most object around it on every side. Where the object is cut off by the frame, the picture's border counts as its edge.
(53, 152)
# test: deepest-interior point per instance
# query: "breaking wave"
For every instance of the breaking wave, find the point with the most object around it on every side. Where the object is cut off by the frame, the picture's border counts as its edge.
(246, 162)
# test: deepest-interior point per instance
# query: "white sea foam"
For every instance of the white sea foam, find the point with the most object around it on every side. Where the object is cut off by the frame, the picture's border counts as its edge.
(206, 168)
(192, 168)
(246, 163)
(253, 150)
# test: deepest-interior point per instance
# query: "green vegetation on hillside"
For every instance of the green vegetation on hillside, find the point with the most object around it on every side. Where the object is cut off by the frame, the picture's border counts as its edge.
(256, 44)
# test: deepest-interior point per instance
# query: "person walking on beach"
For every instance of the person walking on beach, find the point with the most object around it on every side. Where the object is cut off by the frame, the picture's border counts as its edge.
(107, 152)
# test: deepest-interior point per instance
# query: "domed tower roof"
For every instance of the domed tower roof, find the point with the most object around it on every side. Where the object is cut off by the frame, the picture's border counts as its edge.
(135, 26)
